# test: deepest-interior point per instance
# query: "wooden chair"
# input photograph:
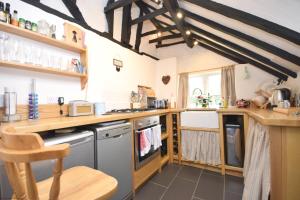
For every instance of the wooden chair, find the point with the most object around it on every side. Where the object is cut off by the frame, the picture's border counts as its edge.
(18, 150)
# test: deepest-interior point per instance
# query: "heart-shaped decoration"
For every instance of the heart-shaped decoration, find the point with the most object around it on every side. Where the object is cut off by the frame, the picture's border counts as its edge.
(166, 79)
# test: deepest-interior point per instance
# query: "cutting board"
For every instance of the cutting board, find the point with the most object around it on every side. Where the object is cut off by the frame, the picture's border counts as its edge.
(287, 111)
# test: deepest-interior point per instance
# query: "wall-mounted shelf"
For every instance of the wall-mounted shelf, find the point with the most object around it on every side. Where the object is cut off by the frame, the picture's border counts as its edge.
(50, 41)
(40, 38)
(30, 67)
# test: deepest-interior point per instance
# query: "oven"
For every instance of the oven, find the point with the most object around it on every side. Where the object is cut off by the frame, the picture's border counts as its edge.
(140, 125)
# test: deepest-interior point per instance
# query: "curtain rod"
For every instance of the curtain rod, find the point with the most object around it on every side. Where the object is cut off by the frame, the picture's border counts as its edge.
(205, 70)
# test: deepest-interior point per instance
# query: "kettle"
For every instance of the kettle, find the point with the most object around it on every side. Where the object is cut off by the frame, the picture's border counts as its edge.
(279, 95)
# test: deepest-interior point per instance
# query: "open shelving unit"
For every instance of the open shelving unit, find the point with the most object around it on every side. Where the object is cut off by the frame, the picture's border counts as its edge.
(50, 41)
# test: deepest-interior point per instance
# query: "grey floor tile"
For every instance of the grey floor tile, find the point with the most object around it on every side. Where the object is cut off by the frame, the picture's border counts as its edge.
(166, 176)
(150, 191)
(212, 173)
(233, 196)
(190, 173)
(210, 187)
(234, 184)
(180, 189)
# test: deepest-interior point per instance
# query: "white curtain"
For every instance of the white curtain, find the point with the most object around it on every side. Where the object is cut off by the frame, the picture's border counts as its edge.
(257, 163)
(183, 90)
(201, 146)
(228, 84)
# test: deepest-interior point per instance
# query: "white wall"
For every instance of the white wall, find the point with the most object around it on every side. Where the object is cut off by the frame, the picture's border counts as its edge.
(105, 84)
(165, 67)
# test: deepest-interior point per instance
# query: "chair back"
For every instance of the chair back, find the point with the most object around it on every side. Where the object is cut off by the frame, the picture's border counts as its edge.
(18, 150)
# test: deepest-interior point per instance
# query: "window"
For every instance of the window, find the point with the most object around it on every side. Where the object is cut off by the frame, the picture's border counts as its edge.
(205, 89)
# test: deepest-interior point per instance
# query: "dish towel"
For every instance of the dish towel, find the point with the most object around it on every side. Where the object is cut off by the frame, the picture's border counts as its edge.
(145, 144)
(156, 131)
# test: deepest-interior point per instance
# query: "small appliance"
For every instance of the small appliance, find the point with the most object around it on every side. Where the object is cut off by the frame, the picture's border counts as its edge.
(279, 95)
(80, 108)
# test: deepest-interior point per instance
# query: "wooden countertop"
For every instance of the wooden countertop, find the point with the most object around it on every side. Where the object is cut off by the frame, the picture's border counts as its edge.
(65, 122)
(266, 117)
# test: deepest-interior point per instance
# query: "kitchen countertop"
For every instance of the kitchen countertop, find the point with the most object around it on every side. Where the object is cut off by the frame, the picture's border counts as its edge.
(65, 122)
(265, 117)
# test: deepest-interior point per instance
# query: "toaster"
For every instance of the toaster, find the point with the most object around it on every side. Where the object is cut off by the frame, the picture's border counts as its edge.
(80, 108)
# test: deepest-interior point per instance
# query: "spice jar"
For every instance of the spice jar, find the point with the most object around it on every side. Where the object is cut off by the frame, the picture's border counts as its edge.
(22, 23)
(28, 25)
(34, 27)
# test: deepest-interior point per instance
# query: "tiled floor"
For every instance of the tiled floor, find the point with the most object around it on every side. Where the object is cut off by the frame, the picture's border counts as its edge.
(188, 183)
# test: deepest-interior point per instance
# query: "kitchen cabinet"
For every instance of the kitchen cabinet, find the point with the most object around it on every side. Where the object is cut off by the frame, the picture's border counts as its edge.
(49, 41)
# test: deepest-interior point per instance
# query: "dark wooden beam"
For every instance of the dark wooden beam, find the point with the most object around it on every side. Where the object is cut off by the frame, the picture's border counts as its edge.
(110, 18)
(249, 19)
(156, 2)
(244, 37)
(149, 16)
(61, 15)
(146, 10)
(118, 4)
(126, 28)
(153, 8)
(169, 44)
(139, 33)
(167, 37)
(165, 29)
(74, 10)
(243, 50)
(245, 59)
(173, 7)
(222, 53)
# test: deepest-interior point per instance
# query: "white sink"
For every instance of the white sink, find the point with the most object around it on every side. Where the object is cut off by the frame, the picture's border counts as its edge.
(200, 119)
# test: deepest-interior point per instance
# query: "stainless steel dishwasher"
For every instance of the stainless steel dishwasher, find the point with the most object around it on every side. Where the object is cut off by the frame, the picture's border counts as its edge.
(114, 154)
(82, 146)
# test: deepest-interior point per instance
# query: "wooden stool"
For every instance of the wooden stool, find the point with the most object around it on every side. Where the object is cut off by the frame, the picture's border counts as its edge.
(18, 150)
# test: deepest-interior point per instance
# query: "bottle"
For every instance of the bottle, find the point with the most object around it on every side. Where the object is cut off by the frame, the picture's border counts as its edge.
(7, 13)
(2, 13)
(14, 19)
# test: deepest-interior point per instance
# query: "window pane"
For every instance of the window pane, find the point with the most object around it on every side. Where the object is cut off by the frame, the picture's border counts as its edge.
(208, 86)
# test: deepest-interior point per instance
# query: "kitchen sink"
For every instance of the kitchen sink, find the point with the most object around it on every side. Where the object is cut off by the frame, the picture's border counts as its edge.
(200, 119)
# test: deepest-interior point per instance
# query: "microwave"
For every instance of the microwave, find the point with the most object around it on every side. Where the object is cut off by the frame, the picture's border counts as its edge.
(80, 108)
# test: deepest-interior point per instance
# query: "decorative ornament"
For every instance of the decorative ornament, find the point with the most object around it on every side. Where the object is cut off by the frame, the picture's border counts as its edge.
(166, 79)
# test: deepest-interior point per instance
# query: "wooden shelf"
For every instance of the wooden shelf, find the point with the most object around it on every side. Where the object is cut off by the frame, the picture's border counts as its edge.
(164, 135)
(40, 38)
(30, 67)
(164, 160)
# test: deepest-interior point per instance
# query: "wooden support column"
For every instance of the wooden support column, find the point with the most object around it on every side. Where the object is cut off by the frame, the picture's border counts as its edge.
(139, 33)
(126, 27)
(110, 19)
(74, 10)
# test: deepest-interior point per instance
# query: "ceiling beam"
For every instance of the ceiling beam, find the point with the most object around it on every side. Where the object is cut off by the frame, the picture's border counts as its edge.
(149, 16)
(169, 44)
(118, 4)
(243, 50)
(167, 37)
(244, 37)
(245, 59)
(153, 8)
(165, 29)
(74, 10)
(126, 28)
(222, 53)
(146, 10)
(110, 18)
(250, 19)
(139, 33)
(173, 7)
